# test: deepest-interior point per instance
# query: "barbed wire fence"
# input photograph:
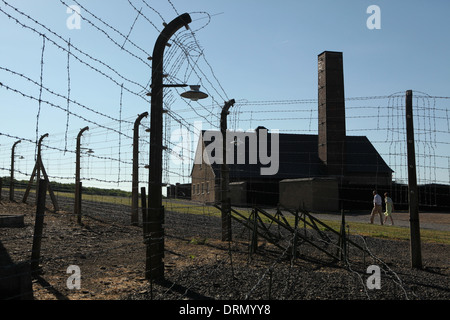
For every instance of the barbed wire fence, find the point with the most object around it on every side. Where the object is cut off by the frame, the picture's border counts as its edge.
(53, 100)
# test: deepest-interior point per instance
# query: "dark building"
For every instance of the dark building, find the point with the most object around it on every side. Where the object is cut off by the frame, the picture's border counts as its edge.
(298, 159)
(351, 161)
(179, 191)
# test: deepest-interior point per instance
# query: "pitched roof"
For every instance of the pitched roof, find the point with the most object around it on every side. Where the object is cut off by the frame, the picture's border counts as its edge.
(362, 157)
(298, 158)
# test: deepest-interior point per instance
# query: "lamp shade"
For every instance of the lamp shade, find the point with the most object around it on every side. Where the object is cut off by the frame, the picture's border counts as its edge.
(194, 94)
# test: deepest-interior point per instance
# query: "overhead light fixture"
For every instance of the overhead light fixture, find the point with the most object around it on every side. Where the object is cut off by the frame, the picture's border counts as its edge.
(194, 94)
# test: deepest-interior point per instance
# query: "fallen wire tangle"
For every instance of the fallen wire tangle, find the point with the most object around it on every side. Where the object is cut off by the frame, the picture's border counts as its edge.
(268, 271)
(398, 281)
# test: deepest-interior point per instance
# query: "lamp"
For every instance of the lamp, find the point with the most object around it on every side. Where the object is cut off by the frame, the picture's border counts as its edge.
(194, 94)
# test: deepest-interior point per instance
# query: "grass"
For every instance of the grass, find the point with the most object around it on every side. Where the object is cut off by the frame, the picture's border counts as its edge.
(90, 197)
(389, 232)
(364, 229)
(398, 233)
(97, 198)
(198, 241)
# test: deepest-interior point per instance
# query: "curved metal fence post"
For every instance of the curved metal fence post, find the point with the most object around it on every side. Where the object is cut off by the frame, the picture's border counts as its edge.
(135, 176)
(155, 241)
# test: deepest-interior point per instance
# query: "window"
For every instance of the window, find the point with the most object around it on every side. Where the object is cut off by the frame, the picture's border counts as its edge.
(207, 186)
(203, 191)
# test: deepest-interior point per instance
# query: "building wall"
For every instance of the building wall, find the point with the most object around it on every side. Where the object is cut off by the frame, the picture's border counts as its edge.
(238, 193)
(179, 191)
(312, 194)
(203, 187)
(369, 179)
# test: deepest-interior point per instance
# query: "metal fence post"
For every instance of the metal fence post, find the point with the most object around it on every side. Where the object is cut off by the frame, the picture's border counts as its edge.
(254, 241)
(144, 212)
(78, 200)
(36, 171)
(413, 192)
(342, 238)
(77, 203)
(11, 182)
(225, 175)
(135, 176)
(295, 238)
(155, 241)
(38, 226)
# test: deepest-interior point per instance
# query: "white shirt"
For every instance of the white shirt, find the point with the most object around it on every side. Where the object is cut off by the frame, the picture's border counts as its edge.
(377, 200)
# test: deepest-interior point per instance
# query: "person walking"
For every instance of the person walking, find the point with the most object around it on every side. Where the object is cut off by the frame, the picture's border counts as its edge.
(389, 208)
(377, 207)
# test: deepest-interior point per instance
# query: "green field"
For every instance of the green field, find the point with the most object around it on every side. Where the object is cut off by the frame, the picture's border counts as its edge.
(97, 198)
(364, 229)
(393, 232)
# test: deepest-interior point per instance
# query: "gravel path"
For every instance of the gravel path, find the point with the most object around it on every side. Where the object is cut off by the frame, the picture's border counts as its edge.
(428, 220)
(198, 265)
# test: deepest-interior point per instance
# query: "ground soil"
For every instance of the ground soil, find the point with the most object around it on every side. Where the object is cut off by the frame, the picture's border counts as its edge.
(110, 253)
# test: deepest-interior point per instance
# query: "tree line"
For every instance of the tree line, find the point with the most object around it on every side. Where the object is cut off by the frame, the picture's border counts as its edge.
(68, 188)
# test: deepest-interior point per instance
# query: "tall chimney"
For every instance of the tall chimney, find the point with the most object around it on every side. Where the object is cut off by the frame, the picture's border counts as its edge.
(331, 112)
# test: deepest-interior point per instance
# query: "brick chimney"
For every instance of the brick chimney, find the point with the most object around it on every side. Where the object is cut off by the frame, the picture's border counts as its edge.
(331, 138)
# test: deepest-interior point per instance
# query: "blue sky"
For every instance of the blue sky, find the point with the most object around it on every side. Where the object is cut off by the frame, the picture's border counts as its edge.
(274, 45)
(255, 50)
(267, 49)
